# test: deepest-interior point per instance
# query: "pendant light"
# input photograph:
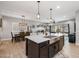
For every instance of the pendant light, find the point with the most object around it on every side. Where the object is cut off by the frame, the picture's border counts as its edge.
(38, 14)
(51, 20)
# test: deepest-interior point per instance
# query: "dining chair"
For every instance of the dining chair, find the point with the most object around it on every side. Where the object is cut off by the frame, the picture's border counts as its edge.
(13, 37)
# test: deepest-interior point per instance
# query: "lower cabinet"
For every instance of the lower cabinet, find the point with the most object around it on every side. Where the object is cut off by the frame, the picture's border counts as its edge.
(44, 52)
(53, 49)
(44, 49)
(61, 43)
(33, 49)
(56, 47)
(37, 50)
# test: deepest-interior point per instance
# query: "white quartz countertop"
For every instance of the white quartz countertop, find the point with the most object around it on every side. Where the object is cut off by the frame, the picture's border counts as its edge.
(36, 38)
(41, 38)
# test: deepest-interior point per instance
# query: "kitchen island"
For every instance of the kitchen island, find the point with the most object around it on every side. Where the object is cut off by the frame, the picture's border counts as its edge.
(41, 46)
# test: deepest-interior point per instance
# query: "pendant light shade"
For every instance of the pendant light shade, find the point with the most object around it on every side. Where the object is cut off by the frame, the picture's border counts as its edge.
(38, 13)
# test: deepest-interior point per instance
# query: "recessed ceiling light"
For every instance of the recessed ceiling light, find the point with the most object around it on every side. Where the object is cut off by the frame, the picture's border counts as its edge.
(64, 16)
(58, 7)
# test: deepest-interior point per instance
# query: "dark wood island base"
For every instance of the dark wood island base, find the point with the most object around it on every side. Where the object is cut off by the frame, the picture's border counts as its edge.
(44, 49)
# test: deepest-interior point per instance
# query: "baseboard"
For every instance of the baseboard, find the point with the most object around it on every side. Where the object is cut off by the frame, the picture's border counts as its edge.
(5, 39)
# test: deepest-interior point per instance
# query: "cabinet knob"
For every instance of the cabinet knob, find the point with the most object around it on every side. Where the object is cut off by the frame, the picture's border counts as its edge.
(54, 47)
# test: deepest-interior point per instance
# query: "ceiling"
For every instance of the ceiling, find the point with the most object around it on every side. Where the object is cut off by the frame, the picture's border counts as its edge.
(29, 9)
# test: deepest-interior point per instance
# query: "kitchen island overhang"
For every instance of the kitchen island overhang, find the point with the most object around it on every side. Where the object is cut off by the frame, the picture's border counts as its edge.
(40, 46)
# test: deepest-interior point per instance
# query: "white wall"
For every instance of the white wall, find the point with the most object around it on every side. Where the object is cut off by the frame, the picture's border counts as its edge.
(6, 27)
(77, 26)
(71, 25)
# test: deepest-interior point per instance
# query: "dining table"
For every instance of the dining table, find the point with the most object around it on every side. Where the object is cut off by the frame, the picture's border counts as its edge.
(21, 36)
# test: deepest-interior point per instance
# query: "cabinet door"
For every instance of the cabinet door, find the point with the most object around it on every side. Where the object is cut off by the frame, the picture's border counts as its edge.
(51, 51)
(56, 47)
(33, 50)
(61, 44)
(44, 52)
